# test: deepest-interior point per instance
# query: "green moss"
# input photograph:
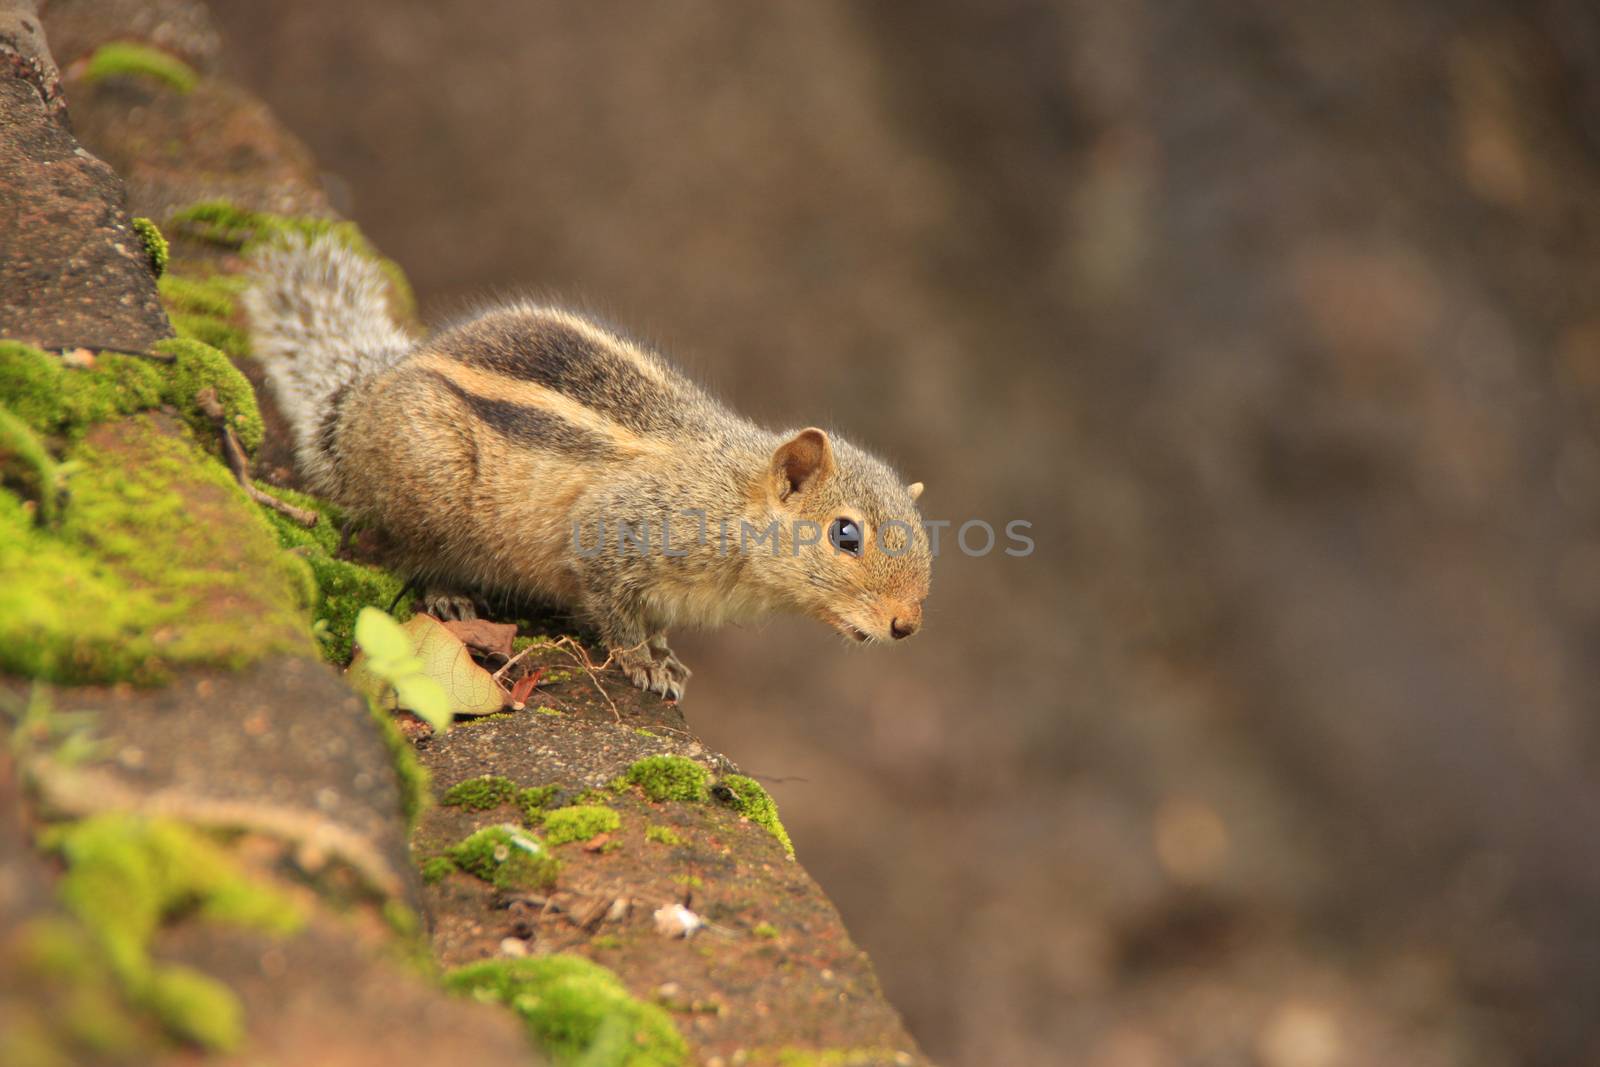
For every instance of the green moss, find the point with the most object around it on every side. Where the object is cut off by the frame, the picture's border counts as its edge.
(764, 930)
(545, 709)
(642, 732)
(533, 801)
(670, 778)
(127, 875)
(480, 794)
(155, 245)
(748, 798)
(576, 1011)
(55, 400)
(416, 784)
(343, 587)
(26, 466)
(197, 366)
(133, 58)
(580, 822)
(437, 869)
(203, 309)
(127, 587)
(201, 296)
(827, 1057)
(663, 835)
(224, 223)
(507, 857)
(80, 1012)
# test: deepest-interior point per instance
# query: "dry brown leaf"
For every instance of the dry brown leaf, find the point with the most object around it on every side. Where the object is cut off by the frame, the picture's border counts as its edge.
(493, 638)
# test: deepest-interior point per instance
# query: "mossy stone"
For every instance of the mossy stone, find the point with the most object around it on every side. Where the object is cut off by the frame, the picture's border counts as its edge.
(579, 822)
(576, 1011)
(507, 857)
(670, 778)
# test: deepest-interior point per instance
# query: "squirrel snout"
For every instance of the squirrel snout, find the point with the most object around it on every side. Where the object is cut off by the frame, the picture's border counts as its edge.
(906, 622)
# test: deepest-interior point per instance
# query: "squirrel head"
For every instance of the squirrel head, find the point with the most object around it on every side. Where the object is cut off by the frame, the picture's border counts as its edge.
(854, 552)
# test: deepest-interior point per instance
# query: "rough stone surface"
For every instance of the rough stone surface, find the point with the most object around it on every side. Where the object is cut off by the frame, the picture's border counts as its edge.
(773, 969)
(282, 747)
(72, 271)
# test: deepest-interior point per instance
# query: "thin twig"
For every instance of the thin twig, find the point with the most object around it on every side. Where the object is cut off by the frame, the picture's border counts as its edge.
(159, 357)
(233, 452)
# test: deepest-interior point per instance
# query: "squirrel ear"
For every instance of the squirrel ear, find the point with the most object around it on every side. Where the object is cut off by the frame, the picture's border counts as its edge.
(801, 462)
(915, 489)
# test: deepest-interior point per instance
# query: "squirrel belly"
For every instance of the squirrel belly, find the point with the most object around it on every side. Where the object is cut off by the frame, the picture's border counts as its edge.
(531, 452)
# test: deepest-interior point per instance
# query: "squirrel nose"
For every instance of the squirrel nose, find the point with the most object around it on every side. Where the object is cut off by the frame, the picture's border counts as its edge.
(902, 628)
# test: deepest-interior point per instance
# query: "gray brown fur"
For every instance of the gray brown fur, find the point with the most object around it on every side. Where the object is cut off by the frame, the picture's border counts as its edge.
(480, 450)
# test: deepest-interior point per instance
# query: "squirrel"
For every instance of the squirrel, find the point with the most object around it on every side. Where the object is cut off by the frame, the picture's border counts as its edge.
(531, 452)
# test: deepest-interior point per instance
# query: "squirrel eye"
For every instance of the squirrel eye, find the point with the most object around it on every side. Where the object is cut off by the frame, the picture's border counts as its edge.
(845, 535)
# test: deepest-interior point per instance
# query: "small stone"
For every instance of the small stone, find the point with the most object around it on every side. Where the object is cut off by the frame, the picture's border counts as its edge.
(513, 946)
(675, 920)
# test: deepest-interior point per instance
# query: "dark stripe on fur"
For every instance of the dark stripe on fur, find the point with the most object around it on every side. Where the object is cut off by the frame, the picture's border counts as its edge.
(558, 357)
(328, 428)
(529, 425)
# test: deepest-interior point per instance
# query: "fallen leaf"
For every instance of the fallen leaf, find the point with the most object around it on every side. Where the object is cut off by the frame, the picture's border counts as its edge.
(421, 667)
(485, 636)
(78, 357)
(596, 843)
(472, 690)
(524, 687)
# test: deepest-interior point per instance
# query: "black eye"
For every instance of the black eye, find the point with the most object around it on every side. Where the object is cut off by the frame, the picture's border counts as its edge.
(845, 535)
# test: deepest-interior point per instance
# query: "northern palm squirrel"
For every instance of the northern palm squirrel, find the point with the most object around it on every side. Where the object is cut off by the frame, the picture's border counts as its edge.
(531, 452)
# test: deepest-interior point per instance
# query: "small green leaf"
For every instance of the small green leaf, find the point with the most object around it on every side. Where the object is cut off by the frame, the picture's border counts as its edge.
(425, 698)
(381, 637)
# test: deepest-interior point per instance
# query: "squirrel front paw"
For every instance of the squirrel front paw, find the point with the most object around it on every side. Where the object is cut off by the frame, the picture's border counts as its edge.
(653, 667)
(452, 607)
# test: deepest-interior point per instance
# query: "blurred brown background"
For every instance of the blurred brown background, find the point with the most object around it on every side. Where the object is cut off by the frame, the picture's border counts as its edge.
(1281, 323)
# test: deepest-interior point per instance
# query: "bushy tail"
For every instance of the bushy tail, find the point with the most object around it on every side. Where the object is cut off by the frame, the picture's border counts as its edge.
(319, 322)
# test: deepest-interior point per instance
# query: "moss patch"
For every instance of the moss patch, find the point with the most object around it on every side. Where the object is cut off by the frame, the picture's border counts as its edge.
(748, 798)
(59, 401)
(480, 794)
(343, 587)
(197, 366)
(56, 401)
(26, 467)
(533, 800)
(157, 561)
(670, 778)
(223, 223)
(203, 309)
(416, 784)
(437, 869)
(507, 857)
(663, 835)
(127, 875)
(133, 58)
(576, 1011)
(155, 245)
(82, 1014)
(579, 823)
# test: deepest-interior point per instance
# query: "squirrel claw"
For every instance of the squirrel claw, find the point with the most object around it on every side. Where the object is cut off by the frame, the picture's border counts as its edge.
(654, 669)
(449, 606)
